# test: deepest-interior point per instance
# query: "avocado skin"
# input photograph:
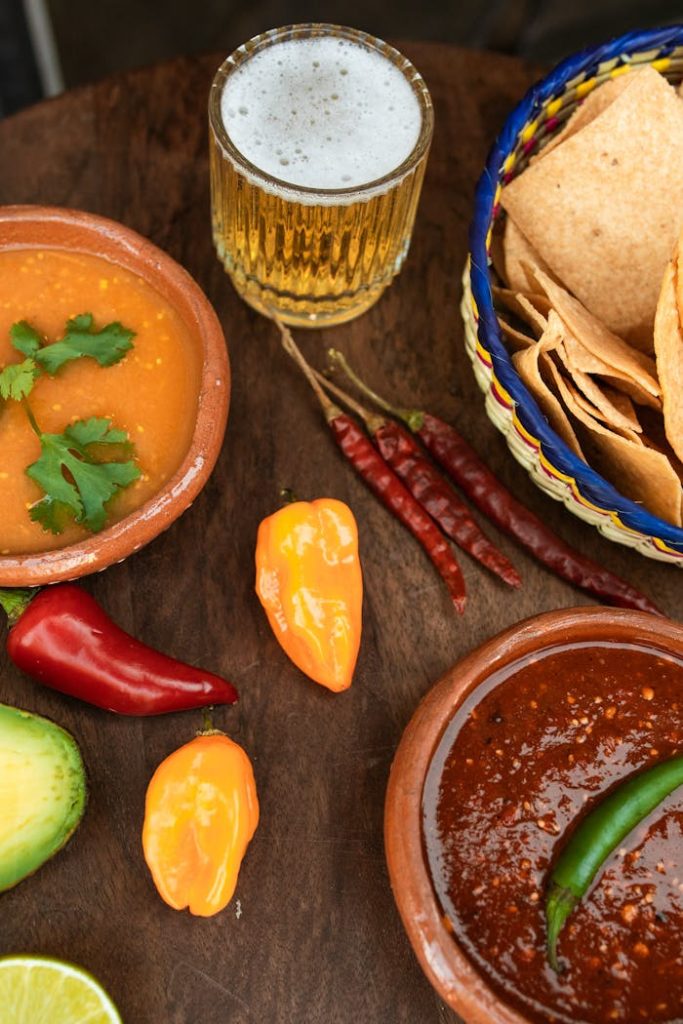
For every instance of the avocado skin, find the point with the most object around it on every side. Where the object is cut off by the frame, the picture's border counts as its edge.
(53, 819)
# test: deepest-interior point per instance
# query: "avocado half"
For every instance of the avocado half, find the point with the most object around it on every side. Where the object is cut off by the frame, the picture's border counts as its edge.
(42, 792)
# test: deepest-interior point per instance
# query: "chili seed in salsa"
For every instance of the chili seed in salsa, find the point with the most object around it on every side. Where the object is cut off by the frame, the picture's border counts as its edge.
(538, 745)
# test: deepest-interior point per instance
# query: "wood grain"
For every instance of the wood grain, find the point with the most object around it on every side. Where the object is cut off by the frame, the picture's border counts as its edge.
(313, 936)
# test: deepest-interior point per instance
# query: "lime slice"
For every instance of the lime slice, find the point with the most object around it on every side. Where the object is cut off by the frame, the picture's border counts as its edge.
(38, 990)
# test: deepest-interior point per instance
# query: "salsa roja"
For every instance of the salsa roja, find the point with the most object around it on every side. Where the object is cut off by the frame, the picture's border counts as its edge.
(524, 757)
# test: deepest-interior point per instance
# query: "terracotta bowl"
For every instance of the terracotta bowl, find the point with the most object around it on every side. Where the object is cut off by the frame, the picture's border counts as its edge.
(452, 974)
(72, 230)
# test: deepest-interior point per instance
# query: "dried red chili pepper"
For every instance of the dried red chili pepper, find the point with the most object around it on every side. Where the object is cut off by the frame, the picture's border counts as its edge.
(468, 470)
(63, 639)
(428, 487)
(382, 480)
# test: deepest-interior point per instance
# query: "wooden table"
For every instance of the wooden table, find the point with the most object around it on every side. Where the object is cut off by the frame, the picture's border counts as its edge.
(313, 936)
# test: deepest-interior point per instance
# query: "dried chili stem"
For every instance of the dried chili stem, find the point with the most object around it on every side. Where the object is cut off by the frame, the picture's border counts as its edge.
(372, 421)
(411, 417)
(329, 408)
(381, 479)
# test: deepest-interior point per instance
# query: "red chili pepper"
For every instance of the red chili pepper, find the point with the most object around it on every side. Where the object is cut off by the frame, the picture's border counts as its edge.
(62, 638)
(468, 470)
(428, 487)
(382, 480)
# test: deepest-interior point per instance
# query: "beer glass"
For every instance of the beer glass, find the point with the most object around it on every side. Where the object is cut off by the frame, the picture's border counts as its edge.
(319, 136)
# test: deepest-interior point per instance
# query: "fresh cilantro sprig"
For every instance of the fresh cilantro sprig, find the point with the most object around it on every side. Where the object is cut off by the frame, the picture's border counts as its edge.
(17, 380)
(25, 338)
(78, 471)
(76, 483)
(107, 346)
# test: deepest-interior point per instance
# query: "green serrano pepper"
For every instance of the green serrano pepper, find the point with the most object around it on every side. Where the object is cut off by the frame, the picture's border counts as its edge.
(595, 838)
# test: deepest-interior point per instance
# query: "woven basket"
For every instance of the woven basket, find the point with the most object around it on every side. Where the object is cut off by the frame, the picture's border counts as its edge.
(551, 465)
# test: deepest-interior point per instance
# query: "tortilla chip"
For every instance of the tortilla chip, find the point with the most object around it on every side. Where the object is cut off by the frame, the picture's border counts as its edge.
(669, 349)
(515, 249)
(565, 388)
(532, 309)
(604, 209)
(605, 413)
(625, 406)
(526, 312)
(615, 408)
(530, 365)
(601, 343)
(654, 437)
(609, 406)
(642, 474)
(517, 340)
(596, 413)
(579, 359)
(595, 102)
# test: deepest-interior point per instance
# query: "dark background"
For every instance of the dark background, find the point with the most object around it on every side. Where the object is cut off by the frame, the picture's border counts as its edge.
(48, 45)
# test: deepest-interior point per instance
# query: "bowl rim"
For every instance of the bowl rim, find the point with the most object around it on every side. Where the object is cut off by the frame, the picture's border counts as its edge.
(593, 487)
(139, 256)
(452, 974)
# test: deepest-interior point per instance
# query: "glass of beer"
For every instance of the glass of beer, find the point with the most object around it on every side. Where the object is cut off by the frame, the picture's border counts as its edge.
(319, 137)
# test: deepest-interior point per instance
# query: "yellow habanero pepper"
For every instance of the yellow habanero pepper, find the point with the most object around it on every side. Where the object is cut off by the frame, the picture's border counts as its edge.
(308, 579)
(201, 812)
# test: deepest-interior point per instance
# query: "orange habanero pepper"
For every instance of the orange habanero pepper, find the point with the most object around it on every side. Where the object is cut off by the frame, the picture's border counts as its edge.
(200, 814)
(308, 579)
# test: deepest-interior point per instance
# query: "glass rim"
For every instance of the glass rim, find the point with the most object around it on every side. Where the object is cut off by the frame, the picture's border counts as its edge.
(307, 30)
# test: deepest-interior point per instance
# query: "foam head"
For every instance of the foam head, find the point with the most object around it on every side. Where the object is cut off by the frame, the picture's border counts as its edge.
(322, 112)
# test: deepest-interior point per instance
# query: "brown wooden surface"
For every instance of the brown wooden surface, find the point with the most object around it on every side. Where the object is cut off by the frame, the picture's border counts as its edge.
(315, 937)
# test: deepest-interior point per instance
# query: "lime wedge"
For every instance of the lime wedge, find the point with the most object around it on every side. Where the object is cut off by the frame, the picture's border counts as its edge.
(38, 990)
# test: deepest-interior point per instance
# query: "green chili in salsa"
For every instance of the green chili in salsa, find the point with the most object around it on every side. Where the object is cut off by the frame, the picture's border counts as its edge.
(598, 835)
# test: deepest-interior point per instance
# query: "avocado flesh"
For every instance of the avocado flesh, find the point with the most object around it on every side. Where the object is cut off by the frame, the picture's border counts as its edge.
(42, 792)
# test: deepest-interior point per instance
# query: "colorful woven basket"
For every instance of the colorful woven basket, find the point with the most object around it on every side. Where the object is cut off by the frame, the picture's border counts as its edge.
(557, 470)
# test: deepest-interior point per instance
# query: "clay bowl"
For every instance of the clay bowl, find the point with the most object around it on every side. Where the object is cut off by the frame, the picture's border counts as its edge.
(57, 228)
(448, 969)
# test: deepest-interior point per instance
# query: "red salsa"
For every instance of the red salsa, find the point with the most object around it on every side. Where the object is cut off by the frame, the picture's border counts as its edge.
(527, 754)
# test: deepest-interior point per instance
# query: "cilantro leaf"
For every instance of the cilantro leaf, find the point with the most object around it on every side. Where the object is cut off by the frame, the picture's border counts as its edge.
(97, 431)
(51, 514)
(25, 338)
(75, 483)
(107, 346)
(17, 380)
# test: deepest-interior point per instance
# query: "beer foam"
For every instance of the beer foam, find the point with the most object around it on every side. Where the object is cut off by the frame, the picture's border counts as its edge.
(322, 113)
